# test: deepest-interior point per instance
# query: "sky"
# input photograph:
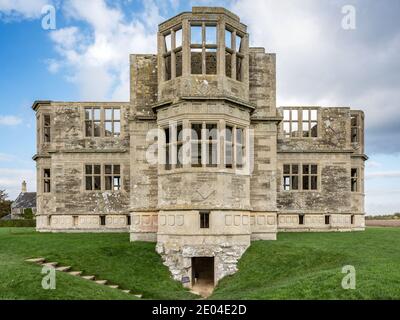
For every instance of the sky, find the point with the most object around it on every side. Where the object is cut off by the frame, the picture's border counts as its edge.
(86, 58)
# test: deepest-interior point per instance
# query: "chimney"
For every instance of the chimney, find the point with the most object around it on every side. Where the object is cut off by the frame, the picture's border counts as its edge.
(23, 189)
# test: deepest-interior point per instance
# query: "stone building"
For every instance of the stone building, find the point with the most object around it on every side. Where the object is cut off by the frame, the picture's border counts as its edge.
(200, 160)
(25, 200)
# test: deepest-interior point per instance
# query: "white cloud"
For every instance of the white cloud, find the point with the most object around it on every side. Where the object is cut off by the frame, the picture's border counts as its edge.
(319, 63)
(383, 174)
(22, 8)
(6, 157)
(373, 164)
(53, 66)
(10, 120)
(97, 58)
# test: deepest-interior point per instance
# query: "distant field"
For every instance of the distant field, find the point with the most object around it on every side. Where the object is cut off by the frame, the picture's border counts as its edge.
(297, 266)
(383, 223)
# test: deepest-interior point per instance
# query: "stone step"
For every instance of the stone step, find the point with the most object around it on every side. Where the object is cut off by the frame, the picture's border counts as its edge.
(75, 273)
(88, 277)
(63, 269)
(36, 260)
(138, 296)
(50, 264)
(114, 286)
(126, 291)
(103, 282)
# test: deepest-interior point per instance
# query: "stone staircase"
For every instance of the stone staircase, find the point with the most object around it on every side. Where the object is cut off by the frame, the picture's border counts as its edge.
(67, 269)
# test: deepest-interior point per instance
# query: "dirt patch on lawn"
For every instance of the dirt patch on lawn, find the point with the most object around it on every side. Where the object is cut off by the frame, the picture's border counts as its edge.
(383, 223)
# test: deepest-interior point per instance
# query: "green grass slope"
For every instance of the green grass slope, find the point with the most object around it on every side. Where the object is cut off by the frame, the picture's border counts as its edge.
(133, 266)
(297, 266)
(309, 266)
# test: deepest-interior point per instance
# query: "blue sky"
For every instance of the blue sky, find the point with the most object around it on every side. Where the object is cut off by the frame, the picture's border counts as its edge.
(318, 63)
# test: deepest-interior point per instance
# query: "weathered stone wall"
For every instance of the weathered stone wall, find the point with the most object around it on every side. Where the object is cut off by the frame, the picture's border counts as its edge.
(144, 195)
(262, 82)
(333, 194)
(333, 133)
(144, 84)
(66, 156)
(332, 151)
(203, 190)
(263, 178)
(180, 238)
(203, 85)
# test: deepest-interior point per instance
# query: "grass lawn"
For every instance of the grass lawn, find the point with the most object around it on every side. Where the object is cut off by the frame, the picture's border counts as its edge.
(297, 266)
(134, 266)
(309, 265)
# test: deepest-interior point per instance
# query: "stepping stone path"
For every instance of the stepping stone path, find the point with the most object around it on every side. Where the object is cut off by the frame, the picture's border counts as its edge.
(66, 269)
(63, 269)
(50, 264)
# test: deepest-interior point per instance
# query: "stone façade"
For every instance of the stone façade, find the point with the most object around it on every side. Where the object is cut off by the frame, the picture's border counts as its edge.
(160, 203)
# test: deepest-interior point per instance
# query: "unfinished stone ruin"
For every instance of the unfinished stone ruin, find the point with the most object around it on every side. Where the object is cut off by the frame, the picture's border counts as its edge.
(200, 160)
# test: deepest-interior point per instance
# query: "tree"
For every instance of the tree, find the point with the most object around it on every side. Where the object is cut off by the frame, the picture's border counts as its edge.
(5, 205)
(28, 214)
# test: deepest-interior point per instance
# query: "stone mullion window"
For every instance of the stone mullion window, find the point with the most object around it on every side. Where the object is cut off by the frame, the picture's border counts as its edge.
(355, 181)
(211, 139)
(112, 177)
(47, 180)
(229, 52)
(240, 147)
(210, 49)
(229, 146)
(233, 54)
(204, 48)
(205, 220)
(93, 177)
(46, 128)
(300, 123)
(239, 57)
(309, 177)
(196, 49)
(167, 150)
(112, 122)
(291, 177)
(309, 123)
(177, 47)
(93, 122)
(168, 56)
(355, 129)
(178, 145)
(290, 123)
(173, 55)
(196, 144)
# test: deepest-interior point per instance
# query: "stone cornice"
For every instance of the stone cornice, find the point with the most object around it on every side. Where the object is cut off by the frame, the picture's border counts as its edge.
(363, 156)
(38, 103)
(316, 151)
(90, 151)
(238, 102)
(276, 119)
(40, 156)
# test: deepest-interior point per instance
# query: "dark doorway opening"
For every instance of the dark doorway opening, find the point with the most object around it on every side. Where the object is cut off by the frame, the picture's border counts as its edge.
(203, 271)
